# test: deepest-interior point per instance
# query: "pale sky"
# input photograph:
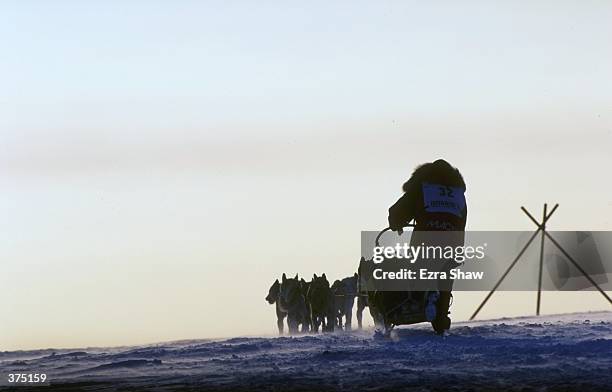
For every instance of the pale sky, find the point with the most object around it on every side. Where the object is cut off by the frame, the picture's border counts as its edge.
(161, 163)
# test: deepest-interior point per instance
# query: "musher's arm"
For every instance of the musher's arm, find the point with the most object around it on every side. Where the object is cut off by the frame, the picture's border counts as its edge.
(403, 210)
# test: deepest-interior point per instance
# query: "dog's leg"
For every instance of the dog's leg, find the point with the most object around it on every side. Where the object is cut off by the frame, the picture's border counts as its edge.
(309, 322)
(280, 316)
(293, 325)
(360, 308)
(314, 321)
(280, 325)
(305, 323)
(349, 319)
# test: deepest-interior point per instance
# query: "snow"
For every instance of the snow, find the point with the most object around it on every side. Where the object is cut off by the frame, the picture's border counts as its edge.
(560, 352)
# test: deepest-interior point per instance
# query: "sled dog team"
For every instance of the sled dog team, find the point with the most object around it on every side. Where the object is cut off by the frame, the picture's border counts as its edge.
(434, 199)
(310, 305)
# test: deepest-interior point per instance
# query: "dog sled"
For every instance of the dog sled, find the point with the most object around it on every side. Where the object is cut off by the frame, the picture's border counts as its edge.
(393, 308)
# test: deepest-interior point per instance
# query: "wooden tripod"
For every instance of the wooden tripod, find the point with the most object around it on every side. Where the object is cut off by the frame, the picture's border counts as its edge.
(544, 234)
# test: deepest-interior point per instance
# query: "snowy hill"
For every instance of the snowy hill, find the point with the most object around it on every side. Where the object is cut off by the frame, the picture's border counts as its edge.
(562, 352)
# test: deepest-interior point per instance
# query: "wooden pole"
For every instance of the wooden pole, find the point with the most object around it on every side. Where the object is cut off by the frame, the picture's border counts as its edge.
(543, 227)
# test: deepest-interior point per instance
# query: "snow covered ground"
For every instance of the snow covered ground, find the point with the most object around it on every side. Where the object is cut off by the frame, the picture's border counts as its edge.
(562, 352)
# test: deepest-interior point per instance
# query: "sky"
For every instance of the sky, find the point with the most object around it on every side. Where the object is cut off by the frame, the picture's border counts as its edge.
(161, 163)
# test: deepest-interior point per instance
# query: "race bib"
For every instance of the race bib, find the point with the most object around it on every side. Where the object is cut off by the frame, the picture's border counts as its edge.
(442, 198)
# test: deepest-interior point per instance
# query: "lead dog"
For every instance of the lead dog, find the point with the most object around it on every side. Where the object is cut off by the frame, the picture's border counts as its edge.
(272, 298)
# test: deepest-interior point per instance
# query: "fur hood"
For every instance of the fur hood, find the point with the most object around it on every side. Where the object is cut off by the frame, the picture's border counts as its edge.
(439, 171)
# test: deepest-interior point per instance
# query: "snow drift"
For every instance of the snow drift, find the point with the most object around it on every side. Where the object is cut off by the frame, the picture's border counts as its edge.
(562, 352)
